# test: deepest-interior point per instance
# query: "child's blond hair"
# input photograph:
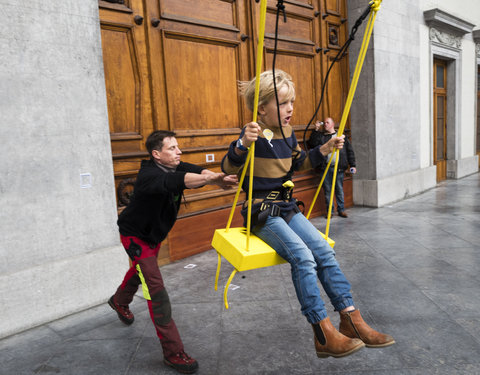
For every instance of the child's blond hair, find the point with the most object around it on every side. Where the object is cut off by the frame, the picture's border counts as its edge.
(267, 90)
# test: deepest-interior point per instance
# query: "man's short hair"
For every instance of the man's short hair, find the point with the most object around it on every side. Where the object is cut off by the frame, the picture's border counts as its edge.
(155, 140)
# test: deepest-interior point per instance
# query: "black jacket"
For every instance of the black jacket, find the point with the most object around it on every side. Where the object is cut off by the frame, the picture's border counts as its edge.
(156, 198)
(347, 156)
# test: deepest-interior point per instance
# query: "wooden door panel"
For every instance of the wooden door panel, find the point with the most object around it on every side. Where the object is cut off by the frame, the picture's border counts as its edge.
(199, 56)
(127, 84)
(207, 12)
(123, 87)
(439, 118)
(208, 139)
(201, 91)
(333, 7)
(298, 28)
(302, 69)
(305, 3)
(441, 170)
(298, 33)
(335, 37)
(337, 88)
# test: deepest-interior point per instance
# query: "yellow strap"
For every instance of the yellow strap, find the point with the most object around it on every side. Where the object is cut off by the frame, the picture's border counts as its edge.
(263, 12)
(225, 291)
(375, 7)
(145, 291)
(240, 183)
(218, 270)
(251, 151)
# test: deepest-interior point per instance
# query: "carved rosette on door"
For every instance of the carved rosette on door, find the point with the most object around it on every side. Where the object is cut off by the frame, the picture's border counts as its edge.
(125, 191)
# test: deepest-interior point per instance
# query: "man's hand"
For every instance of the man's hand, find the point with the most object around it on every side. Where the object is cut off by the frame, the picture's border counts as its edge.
(229, 181)
(332, 144)
(222, 180)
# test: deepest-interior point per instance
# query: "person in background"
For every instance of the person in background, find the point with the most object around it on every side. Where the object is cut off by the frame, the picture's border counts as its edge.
(145, 223)
(347, 160)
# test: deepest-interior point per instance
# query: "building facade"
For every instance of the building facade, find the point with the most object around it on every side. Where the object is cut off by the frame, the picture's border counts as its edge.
(414, 119)
(414, 122)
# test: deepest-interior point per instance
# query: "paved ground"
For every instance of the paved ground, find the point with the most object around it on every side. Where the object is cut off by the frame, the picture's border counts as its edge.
(414, 267)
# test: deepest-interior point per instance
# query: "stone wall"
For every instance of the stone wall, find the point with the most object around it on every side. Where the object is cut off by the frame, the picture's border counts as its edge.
(60, 247)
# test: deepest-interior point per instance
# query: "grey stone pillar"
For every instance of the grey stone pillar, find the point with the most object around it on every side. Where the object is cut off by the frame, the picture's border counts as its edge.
(59, 241)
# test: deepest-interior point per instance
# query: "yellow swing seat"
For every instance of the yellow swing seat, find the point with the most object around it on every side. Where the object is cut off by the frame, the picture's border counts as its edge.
(232, 245)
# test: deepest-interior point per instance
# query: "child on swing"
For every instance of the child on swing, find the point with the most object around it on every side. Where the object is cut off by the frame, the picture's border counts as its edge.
(277, 220)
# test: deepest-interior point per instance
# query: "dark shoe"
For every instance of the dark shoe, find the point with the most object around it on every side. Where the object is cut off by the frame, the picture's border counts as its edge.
(353, 325)
(182, 362)
(123, 312)
(331, 343)
(342, 214)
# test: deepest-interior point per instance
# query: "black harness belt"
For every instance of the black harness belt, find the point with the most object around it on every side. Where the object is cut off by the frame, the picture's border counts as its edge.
(269, 208)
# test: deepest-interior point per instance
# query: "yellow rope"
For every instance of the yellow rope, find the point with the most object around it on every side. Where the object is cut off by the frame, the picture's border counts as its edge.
(251, 151)
(242, 177)
(319, 186)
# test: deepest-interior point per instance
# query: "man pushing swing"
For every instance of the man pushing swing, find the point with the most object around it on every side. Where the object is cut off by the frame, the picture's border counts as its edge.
(145, 223)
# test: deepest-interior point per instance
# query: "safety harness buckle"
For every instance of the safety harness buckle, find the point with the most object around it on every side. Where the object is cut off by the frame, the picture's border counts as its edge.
(269, 209)
(274, 210)
(272, 195)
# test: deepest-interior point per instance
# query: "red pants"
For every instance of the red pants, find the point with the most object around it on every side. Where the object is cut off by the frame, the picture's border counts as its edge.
(145, 271)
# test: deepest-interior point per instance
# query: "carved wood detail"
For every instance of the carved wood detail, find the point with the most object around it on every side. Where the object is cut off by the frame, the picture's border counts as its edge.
(125, 191)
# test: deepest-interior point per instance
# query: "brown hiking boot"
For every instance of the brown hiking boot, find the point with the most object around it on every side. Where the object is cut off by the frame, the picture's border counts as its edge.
(352, 325)
(331, 343)
(123, 312)
(182, 362)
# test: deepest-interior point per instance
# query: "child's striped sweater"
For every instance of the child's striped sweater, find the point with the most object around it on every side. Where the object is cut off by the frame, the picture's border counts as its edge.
(273, 160)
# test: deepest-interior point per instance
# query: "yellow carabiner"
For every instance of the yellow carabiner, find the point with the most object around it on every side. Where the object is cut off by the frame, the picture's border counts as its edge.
(288, 184)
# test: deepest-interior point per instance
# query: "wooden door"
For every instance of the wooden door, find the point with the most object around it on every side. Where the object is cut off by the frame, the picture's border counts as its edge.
(440, 118)
(182, 63)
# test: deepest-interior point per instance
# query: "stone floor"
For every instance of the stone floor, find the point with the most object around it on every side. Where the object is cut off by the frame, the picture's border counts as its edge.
(414, 268)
